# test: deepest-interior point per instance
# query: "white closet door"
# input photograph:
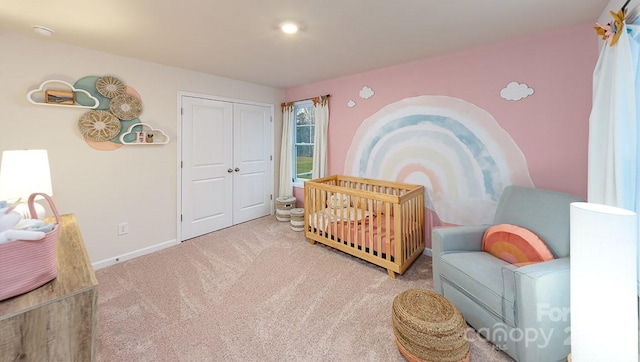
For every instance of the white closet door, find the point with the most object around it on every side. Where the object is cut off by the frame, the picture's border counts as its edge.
(252, 184)
(207, 183)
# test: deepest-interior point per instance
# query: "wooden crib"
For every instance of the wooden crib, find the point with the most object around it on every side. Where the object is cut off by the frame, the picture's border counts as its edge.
(381, 222)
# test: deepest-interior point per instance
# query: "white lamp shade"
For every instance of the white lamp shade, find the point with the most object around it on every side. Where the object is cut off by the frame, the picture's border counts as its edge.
(604, 309)
(24, 172)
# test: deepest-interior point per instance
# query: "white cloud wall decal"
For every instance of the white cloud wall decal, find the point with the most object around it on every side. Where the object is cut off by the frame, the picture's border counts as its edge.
(515, 91)
(366, 92)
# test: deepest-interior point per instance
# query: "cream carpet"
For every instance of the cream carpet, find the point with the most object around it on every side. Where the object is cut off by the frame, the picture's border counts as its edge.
(254, 291)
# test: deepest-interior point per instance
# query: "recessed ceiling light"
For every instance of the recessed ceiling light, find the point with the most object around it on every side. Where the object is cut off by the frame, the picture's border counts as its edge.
(289, 28)
(42, 30)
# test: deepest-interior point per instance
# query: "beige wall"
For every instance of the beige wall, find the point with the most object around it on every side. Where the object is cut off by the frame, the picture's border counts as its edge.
(137, 185)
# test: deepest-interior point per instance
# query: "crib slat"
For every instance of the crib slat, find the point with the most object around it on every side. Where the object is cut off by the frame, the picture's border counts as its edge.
(370, 225)
(379, 226)
(363, 226)
(387, 217)
(344, 215)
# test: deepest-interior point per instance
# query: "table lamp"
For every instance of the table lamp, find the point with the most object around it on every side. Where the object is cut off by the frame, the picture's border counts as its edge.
(22, 173)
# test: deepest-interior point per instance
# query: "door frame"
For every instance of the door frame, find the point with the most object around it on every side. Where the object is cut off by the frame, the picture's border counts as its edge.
(179, 148)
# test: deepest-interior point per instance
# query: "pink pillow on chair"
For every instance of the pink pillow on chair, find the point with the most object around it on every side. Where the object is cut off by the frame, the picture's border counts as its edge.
(515, 244)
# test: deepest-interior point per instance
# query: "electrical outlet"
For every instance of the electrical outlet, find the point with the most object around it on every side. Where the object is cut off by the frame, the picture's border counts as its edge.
(123, 228)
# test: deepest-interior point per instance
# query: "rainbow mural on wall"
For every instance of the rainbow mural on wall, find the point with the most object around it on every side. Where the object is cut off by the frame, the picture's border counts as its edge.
(457, 150)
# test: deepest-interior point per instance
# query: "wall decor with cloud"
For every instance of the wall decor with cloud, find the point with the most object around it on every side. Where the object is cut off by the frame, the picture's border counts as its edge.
(457, 150)
(515, 91)
(365, 93)
(113, 119)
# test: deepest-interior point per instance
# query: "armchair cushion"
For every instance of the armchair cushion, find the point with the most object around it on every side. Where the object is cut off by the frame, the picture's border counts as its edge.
(487, 280)
(515, 244)
(544, 212)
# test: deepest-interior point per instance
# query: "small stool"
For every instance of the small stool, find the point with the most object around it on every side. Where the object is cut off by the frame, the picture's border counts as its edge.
(428, 327)
(297, 219)
(284, 205)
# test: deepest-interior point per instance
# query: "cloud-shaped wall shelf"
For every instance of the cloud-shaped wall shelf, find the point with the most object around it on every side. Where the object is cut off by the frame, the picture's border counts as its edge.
(40, 95)
(142, 130)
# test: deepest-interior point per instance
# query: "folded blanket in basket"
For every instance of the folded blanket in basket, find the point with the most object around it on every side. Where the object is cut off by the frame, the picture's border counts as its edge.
(35, 225)
(8, 220)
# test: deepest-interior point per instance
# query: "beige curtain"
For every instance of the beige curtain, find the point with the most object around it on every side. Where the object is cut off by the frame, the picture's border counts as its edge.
(321, 114)
(286, 153)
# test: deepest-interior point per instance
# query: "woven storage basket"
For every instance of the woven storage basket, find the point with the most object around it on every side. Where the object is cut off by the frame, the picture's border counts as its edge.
(428, 327)
(297, 219)
(284, 205)
(28, 264)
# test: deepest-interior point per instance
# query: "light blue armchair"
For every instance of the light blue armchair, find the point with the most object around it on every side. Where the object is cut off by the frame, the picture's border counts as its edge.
(522, 310)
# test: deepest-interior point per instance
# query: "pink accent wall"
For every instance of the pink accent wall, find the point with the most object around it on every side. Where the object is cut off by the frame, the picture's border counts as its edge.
(550, 127)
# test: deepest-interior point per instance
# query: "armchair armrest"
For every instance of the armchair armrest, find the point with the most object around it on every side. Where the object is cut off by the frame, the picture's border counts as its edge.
(450, 240)
(542, 301)
(540, 270)
(457, 238)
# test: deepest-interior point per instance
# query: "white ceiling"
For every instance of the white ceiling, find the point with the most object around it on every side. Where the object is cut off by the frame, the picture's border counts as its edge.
(240, 39)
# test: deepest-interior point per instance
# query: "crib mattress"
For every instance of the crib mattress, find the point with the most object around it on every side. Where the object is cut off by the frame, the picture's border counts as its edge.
(347, 226)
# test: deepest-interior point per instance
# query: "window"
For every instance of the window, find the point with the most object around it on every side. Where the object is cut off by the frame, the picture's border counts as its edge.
(303, 136)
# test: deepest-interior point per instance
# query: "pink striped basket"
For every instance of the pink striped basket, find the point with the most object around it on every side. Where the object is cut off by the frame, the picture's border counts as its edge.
(28, 264)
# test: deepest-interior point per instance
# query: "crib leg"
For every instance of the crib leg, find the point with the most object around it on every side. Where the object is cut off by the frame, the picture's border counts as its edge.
(312, 242)
(392, 275)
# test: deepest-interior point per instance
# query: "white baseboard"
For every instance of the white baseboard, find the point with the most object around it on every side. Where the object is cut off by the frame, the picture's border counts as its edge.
(427, 252)
(133, 254)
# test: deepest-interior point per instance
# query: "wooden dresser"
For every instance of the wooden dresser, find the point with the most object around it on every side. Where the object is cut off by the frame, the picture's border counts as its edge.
(56, 322)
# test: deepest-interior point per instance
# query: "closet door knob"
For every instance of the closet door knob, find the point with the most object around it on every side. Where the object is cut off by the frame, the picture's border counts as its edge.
(229, 170)
(237, 169)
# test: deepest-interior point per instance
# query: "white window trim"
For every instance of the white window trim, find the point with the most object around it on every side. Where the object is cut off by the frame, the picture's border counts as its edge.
(299, 183)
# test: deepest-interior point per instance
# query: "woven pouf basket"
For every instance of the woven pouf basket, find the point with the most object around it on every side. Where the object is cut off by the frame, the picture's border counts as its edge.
(297, 219)
(284, 205)
(428, 327)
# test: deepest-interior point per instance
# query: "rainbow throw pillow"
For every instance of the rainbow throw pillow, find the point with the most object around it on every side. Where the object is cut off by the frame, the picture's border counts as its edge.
(515, 244)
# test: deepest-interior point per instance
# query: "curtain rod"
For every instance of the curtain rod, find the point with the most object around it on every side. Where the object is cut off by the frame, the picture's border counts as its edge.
(306, 99)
